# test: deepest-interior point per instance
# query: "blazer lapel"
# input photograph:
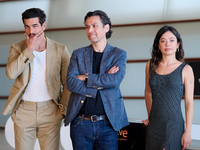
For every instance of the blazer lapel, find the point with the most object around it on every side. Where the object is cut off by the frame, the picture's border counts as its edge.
(88, 58)
(30, 64)
(106, 56)
(50, 50)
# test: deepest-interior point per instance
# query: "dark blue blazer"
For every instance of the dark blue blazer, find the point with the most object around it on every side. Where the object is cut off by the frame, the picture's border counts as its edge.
(81, 63)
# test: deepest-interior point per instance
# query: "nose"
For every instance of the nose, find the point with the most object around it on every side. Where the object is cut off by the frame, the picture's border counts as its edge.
(30, 30)
(90, 29)
(167, 42)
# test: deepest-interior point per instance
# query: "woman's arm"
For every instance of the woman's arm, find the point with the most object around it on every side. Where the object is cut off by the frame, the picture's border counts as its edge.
(188, 80)
(148, 98)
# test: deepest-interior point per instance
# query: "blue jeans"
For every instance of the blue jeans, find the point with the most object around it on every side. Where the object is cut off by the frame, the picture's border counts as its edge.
(87, 135)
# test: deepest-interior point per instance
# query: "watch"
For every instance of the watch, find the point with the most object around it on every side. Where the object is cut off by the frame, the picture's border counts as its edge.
(86, 75)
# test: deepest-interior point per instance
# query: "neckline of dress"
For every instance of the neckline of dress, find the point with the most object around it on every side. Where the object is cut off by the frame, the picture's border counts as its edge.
(170, 72)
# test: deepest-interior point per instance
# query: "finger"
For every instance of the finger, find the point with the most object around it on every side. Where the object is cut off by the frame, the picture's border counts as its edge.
(145, 123)
(182, 142)
(112, 70)
(184, 146)
(187, 145)
(39, 34)
(113, 67)
(116, 69)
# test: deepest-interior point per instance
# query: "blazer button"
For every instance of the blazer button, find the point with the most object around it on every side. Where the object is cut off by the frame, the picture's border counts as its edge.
(82, 101)
(26, 60)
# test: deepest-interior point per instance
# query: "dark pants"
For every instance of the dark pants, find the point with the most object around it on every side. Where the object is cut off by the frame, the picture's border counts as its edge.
(88, 135)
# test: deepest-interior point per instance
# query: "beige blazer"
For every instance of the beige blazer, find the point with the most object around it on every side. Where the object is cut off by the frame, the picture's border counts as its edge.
(19, 67)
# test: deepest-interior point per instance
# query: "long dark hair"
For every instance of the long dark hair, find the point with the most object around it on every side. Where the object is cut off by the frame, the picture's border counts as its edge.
(156, 54)
(104, 19)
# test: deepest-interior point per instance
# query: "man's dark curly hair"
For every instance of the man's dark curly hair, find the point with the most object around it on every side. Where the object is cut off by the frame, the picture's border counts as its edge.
(34, 12)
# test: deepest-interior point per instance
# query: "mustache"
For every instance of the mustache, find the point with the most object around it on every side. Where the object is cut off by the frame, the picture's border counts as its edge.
(31, 34)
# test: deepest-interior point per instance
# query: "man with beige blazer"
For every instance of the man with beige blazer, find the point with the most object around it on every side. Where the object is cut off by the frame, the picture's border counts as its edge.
(39, 96)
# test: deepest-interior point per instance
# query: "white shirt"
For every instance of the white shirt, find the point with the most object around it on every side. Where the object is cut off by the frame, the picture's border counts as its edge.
(37, 90)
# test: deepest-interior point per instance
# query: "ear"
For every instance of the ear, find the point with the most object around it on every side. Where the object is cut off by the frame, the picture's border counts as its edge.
(44, 26)
(178, 44)
(107, 27)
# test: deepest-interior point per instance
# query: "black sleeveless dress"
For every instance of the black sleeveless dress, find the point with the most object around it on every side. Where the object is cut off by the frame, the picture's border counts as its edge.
(166, 124)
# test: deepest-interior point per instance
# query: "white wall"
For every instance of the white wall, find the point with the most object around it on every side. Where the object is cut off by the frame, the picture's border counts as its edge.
(136, 40)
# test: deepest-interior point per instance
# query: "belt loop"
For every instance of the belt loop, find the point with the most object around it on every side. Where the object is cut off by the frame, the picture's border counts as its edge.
(82, 117)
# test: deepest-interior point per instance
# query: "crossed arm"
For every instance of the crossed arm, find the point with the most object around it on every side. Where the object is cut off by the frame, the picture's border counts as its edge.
(112, 70)
(107, 79)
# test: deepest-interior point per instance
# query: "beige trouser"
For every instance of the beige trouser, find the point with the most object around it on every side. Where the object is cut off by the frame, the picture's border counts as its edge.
(40, 120)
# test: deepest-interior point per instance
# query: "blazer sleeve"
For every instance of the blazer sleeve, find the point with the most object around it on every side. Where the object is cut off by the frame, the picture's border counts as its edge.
(17, 61)
(65, 57)
(73, 83)
(107, 80)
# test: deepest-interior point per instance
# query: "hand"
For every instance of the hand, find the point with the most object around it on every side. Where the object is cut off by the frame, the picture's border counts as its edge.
(34, 41)
(81, 77)
(113, 70)
(186, 140)
(146, 122)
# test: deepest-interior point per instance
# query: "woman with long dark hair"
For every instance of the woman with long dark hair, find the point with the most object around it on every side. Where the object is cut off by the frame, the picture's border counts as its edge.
(168, 78)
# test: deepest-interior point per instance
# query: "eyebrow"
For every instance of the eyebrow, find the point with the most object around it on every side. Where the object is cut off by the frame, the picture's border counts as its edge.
(31, 25)
(92, 24)
(169, 38)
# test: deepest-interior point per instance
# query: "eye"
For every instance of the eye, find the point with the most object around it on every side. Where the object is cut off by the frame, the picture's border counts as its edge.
(26, 27)
(35, 25)
(94, 25)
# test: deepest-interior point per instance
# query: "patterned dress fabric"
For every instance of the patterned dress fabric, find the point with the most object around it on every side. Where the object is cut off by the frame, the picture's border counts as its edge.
(166, 124)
